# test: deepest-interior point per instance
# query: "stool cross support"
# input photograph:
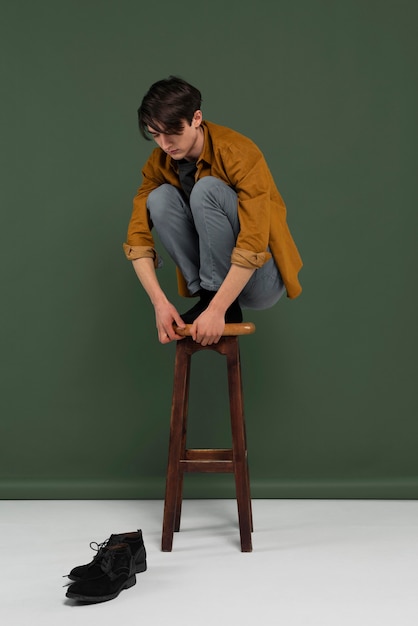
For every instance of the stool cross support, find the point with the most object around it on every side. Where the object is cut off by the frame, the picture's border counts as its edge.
(181, 459)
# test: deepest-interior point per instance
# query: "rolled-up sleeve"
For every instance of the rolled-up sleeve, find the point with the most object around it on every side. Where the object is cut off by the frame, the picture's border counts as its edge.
(247, 258)
(139, 252)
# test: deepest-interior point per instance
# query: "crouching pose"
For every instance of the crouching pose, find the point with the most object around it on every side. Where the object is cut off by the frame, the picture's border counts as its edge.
(210, 196)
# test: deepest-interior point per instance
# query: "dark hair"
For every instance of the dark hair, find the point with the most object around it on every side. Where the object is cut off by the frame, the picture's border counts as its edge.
(167, 104)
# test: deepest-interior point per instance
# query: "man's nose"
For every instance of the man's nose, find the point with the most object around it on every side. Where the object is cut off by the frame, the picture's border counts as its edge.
(165, 142)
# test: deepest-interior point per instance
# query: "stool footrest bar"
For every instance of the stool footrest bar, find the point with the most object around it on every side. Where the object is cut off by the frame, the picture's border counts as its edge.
(209, 454)
(208, 460)
(207, 466)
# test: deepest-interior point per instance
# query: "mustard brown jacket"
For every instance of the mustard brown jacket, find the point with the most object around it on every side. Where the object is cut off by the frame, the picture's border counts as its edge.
(239, 163)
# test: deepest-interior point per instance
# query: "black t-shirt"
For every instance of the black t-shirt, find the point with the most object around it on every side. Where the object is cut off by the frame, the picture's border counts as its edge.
(187, 170)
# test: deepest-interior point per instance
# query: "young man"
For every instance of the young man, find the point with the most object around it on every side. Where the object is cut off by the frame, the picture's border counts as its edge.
(211, 198)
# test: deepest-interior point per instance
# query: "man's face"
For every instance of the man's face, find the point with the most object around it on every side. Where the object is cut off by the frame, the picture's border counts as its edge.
(186, 145)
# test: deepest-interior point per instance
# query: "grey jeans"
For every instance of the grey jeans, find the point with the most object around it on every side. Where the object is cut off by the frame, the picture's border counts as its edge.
(201, 235)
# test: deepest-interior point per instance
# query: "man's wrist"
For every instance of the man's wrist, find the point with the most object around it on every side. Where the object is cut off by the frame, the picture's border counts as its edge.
(217, 307)
(158, 299)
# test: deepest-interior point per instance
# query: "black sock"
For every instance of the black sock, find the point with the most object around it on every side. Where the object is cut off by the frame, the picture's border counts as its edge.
(205, 297)
(232, 315)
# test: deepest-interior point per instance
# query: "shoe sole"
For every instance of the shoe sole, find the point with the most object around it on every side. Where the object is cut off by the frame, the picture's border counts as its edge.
(94, 599)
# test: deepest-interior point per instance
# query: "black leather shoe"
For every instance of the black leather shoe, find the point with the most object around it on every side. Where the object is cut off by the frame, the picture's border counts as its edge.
(113, 571)
(133, 540)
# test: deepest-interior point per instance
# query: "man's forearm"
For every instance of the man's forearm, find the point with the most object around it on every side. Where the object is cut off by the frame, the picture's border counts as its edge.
(166, 315)
(145, 270)
(234, 283)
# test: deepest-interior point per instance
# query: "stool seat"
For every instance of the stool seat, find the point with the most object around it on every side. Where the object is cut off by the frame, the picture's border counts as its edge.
(182, 460)
(230, 330)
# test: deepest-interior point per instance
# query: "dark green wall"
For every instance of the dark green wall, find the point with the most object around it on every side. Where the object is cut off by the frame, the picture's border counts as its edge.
(328, 90)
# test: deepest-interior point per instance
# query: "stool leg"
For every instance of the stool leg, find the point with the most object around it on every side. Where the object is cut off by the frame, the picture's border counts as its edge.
(179, 403)
(185, 412)
(246, 449)
(239, 445)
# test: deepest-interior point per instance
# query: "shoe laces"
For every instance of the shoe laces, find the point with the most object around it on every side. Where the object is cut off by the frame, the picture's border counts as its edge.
(101, 550)
(97, 547)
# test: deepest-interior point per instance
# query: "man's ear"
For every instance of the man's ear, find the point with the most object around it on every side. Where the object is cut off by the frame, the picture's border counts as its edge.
(197, 118)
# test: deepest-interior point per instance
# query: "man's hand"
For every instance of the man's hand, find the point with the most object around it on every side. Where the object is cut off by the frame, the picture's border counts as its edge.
(165, 316)
(208, 327)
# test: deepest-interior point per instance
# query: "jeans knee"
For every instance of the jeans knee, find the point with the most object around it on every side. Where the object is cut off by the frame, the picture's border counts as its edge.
(210, 192)
(159, 199)
(159, 195)
(205, 187)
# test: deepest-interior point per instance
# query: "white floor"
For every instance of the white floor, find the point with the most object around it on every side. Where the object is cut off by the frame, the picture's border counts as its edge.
(315, 562)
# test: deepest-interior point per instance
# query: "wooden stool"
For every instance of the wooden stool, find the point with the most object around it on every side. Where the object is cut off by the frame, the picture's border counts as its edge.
(232, 460)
